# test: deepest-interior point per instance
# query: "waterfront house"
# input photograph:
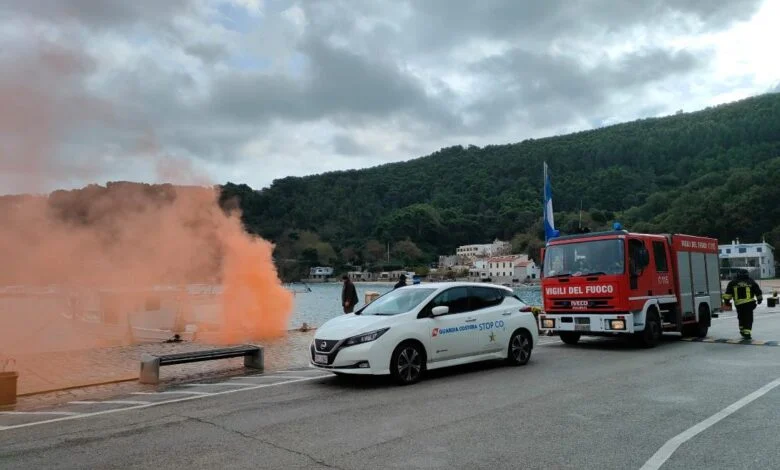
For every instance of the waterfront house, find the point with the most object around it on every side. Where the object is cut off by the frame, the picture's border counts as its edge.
(757, 258)
(511, 268)
(468, 253)
(321, 272)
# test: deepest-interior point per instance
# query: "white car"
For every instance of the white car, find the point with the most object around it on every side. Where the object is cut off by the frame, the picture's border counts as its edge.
(427, 326)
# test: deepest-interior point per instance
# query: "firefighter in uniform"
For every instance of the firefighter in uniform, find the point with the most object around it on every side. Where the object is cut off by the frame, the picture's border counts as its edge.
(746, 295)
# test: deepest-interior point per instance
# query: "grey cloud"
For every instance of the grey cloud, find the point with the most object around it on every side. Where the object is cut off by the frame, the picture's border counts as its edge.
(343, 144)
(208, 53)
(444, 23)
(556, 89)
(647, 66)
(338, 83)
(344, 82)
(44, 100)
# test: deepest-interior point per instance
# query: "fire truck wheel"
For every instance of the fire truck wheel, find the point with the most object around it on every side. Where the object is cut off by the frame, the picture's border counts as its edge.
(652, 333)
(698, 330)
(569, 338)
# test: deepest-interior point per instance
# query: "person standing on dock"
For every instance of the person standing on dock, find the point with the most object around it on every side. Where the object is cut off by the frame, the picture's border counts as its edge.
(349, 297)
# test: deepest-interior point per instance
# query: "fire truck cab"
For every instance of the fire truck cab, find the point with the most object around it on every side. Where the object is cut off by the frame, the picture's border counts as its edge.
(622, 283)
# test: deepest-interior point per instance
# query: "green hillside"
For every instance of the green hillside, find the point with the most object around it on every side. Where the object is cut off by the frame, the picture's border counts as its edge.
(713, 172)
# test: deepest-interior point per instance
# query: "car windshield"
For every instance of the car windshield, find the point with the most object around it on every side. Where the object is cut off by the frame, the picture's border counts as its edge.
(584, 258)
(400, 300)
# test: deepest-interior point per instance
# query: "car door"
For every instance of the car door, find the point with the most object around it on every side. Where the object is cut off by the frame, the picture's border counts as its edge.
(453, 335)
(492, 334)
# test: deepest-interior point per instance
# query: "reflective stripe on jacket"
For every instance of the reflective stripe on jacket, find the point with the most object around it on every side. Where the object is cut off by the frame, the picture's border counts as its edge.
(742, 291)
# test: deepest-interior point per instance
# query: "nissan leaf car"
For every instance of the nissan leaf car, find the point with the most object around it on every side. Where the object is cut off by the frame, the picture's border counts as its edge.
(422, 327)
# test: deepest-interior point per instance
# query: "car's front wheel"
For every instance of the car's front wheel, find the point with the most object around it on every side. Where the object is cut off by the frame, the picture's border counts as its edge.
(407, 363)
(520, 346)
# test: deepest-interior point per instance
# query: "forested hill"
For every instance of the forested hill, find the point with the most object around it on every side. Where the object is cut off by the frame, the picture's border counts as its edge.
(714, 172)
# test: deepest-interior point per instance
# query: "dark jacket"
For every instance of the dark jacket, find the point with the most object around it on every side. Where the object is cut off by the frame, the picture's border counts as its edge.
(742, 290)
(349, 293)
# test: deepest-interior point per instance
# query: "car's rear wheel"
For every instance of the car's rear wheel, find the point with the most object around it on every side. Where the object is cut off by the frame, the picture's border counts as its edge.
(519, 350)
(407, 363)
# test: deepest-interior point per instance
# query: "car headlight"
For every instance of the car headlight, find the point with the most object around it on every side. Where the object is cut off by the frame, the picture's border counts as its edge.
(365, 337)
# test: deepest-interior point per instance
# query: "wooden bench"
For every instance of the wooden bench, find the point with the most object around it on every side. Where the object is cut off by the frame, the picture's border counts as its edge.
(150, 365)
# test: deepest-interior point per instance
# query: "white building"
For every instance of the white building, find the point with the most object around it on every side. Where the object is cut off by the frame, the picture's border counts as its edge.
(321, 272)
(472, 252)
(512, 268)
(759, 256)
(479, 270)
(388, 276)
(360, 276)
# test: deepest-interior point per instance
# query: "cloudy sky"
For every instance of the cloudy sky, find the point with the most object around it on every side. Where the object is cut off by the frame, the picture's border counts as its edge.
(247, 91)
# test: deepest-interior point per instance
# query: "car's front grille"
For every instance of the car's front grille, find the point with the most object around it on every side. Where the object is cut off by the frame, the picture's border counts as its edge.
(324, 345)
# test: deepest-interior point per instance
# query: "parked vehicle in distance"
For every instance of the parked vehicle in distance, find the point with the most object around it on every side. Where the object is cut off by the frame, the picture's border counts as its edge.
(421, 327)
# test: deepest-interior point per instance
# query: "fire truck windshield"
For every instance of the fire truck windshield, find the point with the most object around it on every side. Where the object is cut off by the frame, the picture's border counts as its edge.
(582, 258)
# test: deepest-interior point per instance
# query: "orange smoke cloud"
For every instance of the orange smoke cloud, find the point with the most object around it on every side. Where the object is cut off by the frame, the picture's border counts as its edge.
(105, 248)
(133, 237)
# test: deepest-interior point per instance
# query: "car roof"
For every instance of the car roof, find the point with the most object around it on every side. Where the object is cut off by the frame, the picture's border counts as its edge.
(445, 284)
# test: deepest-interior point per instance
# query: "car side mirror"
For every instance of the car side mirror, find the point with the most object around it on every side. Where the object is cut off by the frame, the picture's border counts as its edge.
(440, 310)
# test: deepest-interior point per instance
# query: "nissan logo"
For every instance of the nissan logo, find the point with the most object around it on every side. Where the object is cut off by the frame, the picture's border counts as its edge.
(323, 345)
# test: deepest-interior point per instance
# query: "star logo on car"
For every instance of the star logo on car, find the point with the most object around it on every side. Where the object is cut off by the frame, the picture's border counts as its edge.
(492, 337)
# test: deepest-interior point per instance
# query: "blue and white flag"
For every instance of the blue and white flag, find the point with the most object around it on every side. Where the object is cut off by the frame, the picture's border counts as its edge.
(549, 223)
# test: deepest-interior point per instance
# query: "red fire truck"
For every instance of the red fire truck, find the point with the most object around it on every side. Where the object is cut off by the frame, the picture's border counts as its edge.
(623, 283)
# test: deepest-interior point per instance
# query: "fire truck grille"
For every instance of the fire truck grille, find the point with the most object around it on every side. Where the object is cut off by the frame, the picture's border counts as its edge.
(567, 304)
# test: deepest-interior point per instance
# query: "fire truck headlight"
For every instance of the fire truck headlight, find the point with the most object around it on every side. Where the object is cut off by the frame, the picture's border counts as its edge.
(617, 325)
(548, 323)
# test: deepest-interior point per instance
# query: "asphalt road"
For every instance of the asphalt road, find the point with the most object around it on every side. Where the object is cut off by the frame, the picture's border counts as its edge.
(602, 404)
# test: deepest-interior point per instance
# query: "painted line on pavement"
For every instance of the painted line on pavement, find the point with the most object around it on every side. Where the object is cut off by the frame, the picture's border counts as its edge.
(250, 377)
(173, 392)
(138, 407)
(659, 458)
(218, 384)
(39, 413)
(746, 342)
(117, 402)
